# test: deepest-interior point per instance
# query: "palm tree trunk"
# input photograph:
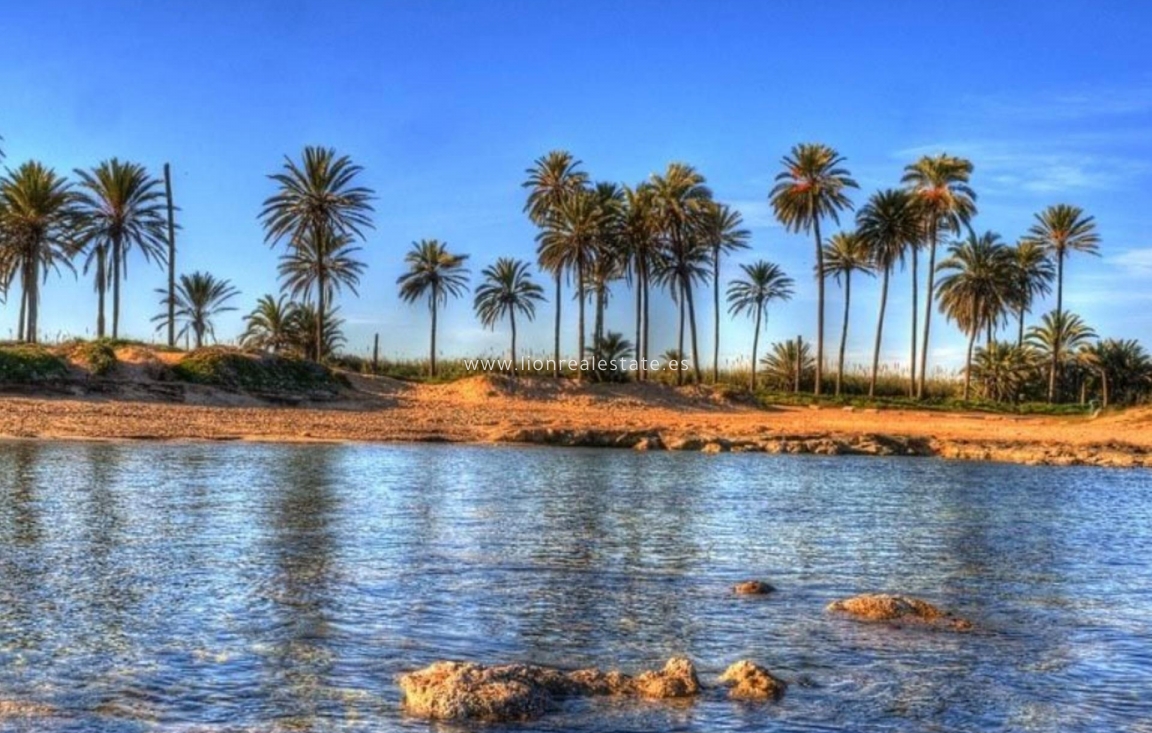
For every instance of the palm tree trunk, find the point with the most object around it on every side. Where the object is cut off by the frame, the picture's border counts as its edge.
(559, 294)
(117, 264)
(432, 348)
(844, 330)
(1020, 339)
(598, 328)
(321, 310)
(171, 258)
(580, 297)
(101, 289)
(21, 324)
(692, 325)
(756, 343)
(819, 307)
(716, 315)
(639, 324)
(933, 232)
(915, 315)
(680, 347)
(1056, 332)
(879, 333)
(968, 367)
(512, 317)
(1104, 389)
(33, 325)
(647, 321)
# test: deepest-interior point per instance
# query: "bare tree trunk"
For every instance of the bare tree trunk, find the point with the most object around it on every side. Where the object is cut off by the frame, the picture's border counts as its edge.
(647, 295)
(692, 325)
(820, 307)
(432, 348)
(799, 364)
(879, 333)
(639, 324)
(512, 317)
(171, 258)
(1056, 345)
(680, 348)
(22, 324)
(844, 331)
(117, 265)
(968, 367)
(33, 325)
(1020, 339)
(716, 315)
(580, 298)
(375, 353)
(933, 234)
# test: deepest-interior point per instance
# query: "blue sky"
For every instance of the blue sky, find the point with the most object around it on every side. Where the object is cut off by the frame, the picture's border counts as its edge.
(446, 103)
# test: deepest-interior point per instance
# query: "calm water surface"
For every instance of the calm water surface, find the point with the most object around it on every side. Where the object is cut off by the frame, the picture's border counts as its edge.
(282, 588)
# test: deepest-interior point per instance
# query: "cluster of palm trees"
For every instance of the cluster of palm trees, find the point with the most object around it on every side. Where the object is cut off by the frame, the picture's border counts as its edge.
(666, 232)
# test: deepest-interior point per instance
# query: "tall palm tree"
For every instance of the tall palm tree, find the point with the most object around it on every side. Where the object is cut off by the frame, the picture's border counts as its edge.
(199, 298)
(845, 253)
(507, 289)
(38, 218)
(1061, 230)
(123, 207)
(271, 326)
(317, 199)
(1123, 366)
(889, 225)
(640, 234)
(551, 179)
(723, 233)
(763, 282)
(306, 324)
(977, 288)
(1057, 337)
(681, 200)
(435, 273)
(569, 242)
(1034, 275)
(940, 187)
(811, 187)
(610, 258)
(329, 262)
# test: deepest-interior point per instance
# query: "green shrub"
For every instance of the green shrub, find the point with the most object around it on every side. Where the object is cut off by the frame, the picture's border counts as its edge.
(221, 367)
(24, 364)
(99, 355)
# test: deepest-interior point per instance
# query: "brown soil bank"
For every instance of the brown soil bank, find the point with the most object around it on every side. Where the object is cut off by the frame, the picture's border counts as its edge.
(643, 417)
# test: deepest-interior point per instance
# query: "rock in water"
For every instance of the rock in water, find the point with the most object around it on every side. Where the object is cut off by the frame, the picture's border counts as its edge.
(677, 679)
(748, 681)
(458, 691)
(752, 588)
(886, 607)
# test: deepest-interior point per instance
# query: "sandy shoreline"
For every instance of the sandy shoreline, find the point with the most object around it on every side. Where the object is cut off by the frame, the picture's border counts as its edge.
(493, 410)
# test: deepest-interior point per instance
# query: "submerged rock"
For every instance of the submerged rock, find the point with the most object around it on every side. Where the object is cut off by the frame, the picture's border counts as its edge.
(886, 607)
(23, 709)
(749, 681)
(677, 679)
(462, 691)
(752, 588)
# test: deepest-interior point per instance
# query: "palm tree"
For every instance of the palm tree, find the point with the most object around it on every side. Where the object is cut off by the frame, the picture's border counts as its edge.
(1057, 337)
(329, 261)
(1123, 366)
(306, 324)
(979, 288)
(569, 242)
(763, 282)
(723, 233)
(640, 235)
(612, 351)
(435, 273)
(271, 326)
(1003, 370)
(780, 364)
(1034, 275)
(199, 298)
(940, 187)
(317, 200)
(123, 207)
(889, 225)
(681, 200)
(507, 289)
(38, 218)
(810, 188)
(845, 253)
(610, 258)
(1061, 230)
(551, 179)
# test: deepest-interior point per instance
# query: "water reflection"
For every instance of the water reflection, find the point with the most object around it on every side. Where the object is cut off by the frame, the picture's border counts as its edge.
(197, 587)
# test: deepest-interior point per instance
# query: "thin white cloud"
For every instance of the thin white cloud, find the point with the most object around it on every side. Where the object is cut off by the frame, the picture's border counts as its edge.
(1133, 261)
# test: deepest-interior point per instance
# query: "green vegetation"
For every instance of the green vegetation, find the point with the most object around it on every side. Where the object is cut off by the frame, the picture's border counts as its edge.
(99, 355)
(27, 363)
(256, 373)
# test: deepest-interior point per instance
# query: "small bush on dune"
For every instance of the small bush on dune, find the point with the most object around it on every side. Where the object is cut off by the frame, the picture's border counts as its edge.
(99, 356)
(221, 367)
(23, 364)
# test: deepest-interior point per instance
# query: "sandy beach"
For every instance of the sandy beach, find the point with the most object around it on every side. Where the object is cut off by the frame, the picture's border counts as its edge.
(496, 410)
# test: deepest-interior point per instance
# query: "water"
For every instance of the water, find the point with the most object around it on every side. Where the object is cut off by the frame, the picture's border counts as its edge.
(193, 587)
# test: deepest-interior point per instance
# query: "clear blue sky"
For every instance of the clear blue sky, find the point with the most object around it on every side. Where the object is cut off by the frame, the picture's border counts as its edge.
(446, 103)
